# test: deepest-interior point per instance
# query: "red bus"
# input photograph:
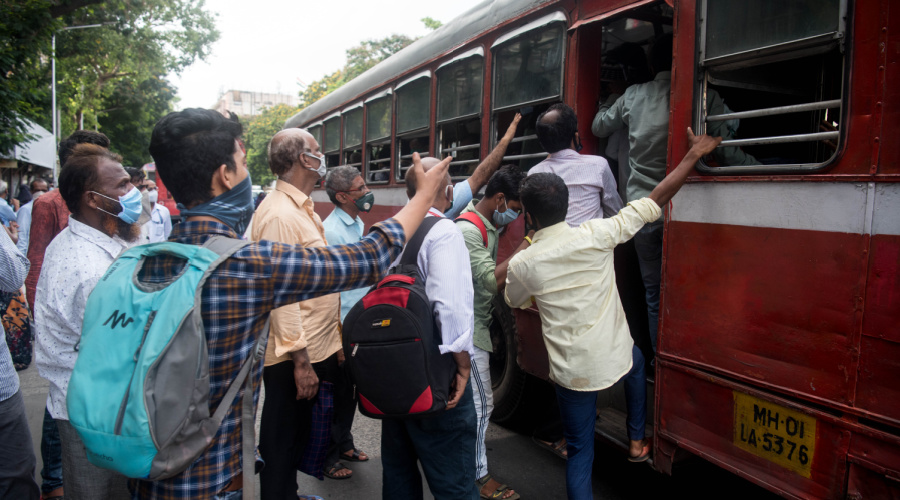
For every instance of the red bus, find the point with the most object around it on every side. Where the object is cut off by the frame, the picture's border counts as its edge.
(779, 336)
(165, 196)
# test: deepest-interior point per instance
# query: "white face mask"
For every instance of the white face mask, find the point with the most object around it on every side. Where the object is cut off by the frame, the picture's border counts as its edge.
(153, 196)
(322, 169)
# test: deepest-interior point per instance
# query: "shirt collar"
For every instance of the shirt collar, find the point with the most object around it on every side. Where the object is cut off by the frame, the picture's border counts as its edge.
(112, 245)
(663, 75)
(565, 153)
(345, 217)
(489, 224)
(550, 232)
(293, 193)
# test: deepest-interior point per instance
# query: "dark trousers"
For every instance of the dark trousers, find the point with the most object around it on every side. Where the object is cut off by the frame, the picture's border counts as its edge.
(285, 427)
(344, 412)
(283, 432)
(17, 461)
(444, 444)
(51, 455)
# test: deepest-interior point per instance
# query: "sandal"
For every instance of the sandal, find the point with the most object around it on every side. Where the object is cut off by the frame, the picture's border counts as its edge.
(309, 497)
(355, 456)
(643, 455)
(491, 489)
(332, 472)
(558, 448)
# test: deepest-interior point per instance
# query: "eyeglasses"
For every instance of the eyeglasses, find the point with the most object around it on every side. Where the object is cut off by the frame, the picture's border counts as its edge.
(361, 189)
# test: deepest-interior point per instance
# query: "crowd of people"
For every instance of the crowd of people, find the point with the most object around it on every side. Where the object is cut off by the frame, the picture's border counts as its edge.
(299, 277)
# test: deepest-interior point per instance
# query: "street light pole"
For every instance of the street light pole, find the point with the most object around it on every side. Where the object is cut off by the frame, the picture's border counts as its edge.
(55, 117)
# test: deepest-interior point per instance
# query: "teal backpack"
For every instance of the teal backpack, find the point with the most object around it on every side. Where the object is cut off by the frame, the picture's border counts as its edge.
(139, 393)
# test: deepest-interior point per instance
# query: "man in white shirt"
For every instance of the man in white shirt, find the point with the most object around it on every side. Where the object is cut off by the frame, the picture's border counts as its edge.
(94, 186)
(446, 441)
(592, 186)
(159, 227)
(569, 274)
(38, 187)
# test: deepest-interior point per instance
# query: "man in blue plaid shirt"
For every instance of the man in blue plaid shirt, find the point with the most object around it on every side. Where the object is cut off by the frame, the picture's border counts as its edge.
(200, 158)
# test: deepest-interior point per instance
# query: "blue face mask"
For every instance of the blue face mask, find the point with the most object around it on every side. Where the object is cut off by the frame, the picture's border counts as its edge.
(234, 207)
(131, 205)
(505, 217)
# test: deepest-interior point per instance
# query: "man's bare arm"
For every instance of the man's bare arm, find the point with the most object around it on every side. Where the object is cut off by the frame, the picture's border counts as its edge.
(501, 269)
(486, 169)
(700, 146)
(458, 384)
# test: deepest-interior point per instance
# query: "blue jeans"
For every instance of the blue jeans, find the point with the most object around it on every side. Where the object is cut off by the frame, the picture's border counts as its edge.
(648, 243)
(51, 455)
(578, 411)
(444, 444)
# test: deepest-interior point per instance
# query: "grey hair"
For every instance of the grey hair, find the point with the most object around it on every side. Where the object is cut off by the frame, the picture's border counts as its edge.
(284, 153)
(3, 187)
(340, 179)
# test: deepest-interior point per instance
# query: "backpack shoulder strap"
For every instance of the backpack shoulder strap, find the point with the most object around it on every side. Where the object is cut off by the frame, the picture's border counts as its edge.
(476, 219)
(411, 252)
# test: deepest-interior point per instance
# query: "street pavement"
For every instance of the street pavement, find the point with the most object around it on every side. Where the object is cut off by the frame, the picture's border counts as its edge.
(512, 457)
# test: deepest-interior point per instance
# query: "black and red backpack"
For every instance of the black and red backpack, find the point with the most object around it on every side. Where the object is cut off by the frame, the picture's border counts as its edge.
(391, 344)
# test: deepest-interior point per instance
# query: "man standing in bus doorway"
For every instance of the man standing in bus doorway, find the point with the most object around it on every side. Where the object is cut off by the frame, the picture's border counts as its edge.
(304, 338)
(480, 225)
(348, 192)
(590, 181)
(464, 191)
(569, 274)
(644, 111)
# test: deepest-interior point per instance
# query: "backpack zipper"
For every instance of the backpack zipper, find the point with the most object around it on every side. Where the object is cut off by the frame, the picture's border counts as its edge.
(117, 430)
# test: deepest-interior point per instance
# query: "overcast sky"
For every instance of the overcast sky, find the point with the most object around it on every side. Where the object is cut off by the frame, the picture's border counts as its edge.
(270, 45)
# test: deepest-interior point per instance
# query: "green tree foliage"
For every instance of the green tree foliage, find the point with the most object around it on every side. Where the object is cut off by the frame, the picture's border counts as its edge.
(431, 24)
(111, 78)
(26, 27)
(257, 133)
(359, 59)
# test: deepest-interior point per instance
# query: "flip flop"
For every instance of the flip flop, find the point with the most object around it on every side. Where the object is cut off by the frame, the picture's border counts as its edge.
(353, 457)
(495, 489)
(309, 497)
(557, 448)
(330, 473)
(645, 454)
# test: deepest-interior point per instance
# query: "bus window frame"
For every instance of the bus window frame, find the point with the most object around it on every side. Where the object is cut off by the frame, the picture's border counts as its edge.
(512, 36)
(323, 147)
(460, 59)
(345, 148)
(794, 49)
(378, 141)
(425, 131)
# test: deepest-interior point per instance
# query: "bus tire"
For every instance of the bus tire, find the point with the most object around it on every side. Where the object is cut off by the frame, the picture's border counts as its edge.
(510, 384)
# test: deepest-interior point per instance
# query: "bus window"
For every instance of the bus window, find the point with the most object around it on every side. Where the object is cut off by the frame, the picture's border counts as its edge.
(378, 140)
(316, 131)
(459, 85)
(528, 74)
(771, 83)
(413, 116)
(353, 133)
(332, 147)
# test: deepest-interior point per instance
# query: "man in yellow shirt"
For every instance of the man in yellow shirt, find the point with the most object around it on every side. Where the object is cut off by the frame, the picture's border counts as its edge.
(304, 338)
(569, 274)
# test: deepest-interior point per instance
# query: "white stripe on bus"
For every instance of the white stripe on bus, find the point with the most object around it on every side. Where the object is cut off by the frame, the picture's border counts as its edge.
(844, 207)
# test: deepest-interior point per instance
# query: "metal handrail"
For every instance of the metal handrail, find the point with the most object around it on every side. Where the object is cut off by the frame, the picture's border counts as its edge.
(461, 148)
(405, 157)
(525, 157)
(819, 136)
(524, 138)
(780, 110)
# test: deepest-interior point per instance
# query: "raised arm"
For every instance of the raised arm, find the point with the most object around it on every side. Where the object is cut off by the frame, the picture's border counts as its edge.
(671, 183)
(486, 169)
(427, 185)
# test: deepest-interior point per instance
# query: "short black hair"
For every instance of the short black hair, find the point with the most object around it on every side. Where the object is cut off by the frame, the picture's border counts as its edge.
(33, 183)
(80, 137)
(80, 174)
(661, 53)
(136, 174)
(506, 180)
(188, 146)
(546, 197)
(557, 134)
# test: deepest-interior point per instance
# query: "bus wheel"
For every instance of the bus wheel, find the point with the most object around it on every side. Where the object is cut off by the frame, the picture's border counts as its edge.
(514, 390)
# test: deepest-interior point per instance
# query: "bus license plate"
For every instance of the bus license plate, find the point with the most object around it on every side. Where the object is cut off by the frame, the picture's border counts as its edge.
(778, 434)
